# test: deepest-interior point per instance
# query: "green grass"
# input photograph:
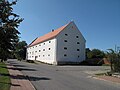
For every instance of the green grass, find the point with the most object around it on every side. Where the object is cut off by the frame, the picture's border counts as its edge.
(4, 77)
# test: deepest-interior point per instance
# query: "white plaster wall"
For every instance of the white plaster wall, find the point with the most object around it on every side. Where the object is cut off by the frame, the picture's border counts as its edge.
(42, 53)
(72, 54)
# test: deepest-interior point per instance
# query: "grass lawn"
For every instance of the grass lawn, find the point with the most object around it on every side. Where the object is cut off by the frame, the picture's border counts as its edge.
(4, 77)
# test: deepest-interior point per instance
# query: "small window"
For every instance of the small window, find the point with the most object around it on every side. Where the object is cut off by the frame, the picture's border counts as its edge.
(49, 41)
(65, 40)
(33, 47)
(65, 55)
(78, 49)
(35, 51)
(48, 54)
(43, 55)
(39, 44)
(78, 42)
(77, 36)
(49, 49)
(43, 49)
(44, 43)
(39, 50)
(36, 46)
(32, 52)
(65, 48)
(39, 55)
(66, 34)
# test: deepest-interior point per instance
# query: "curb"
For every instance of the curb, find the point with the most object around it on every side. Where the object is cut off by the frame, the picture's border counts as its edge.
(103, 79)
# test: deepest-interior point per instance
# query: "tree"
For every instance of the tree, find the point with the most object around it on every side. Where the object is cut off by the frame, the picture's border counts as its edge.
(20, 52)
(94, 53)
(9, 23)
(97, 53)
(114, 58)
(87, 51)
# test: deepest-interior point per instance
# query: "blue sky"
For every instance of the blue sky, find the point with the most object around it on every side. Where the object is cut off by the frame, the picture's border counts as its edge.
(98, 20)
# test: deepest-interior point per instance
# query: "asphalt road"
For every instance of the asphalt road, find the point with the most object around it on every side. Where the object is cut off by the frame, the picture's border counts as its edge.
(49, 77)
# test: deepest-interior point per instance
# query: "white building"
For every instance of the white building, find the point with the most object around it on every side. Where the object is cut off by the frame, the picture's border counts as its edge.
(63, 45)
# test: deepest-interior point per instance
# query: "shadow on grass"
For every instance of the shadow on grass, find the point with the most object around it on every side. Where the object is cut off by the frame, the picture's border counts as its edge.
(22, 77)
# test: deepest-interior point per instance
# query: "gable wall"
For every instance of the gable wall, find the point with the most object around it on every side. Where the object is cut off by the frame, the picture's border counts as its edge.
(70, 54)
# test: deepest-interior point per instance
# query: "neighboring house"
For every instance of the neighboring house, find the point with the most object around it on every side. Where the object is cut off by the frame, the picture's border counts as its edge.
(63, 45)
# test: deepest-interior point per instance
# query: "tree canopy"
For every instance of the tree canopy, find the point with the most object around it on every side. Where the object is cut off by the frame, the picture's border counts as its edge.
(9, 23)
(94, 53)
(20, 52)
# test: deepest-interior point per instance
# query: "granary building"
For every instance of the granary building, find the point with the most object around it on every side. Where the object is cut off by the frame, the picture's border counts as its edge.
(61, 46)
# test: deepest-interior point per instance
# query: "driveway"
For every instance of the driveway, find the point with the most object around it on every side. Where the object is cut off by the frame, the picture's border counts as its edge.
(49, 77)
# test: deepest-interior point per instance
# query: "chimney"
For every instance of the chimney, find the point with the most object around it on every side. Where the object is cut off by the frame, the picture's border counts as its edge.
(52, 30)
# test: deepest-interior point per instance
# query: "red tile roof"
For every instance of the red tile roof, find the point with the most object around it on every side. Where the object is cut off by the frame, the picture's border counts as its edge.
(48, 36)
